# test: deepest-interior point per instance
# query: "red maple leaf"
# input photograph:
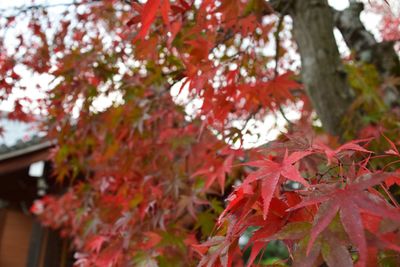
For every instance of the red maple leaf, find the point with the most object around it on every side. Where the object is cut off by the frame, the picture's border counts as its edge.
(350, 202)
(148, 15)
(393, 149)
(269, 173)
(281, 86)
(331, 153)
(216, 169)
(95, 243)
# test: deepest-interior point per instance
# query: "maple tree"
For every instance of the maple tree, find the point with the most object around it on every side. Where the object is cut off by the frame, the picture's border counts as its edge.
(154, 186)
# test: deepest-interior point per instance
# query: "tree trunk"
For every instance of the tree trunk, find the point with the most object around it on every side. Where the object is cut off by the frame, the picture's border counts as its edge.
(322, 69)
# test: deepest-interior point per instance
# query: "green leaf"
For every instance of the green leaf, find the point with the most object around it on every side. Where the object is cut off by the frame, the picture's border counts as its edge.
(206, 221)
(216, 205)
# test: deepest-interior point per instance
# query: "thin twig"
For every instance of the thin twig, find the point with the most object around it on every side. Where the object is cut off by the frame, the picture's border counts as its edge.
(390, 196)
(38, 6)
(277, 52)
(284, 116)
(23, 9)
(277, 43)
(390, 164)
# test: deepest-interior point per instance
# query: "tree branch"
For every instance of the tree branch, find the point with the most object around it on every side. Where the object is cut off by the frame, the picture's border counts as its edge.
(23, 9)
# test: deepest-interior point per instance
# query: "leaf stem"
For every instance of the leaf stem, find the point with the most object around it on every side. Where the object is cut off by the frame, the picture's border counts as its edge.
(390, 196)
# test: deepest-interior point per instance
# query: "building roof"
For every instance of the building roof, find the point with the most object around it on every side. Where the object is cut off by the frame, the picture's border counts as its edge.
(21, 144)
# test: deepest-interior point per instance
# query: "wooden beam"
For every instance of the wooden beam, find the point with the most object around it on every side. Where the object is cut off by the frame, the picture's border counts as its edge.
(23, 161)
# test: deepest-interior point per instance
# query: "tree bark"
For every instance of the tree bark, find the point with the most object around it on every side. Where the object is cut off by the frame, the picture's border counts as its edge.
(322, 70)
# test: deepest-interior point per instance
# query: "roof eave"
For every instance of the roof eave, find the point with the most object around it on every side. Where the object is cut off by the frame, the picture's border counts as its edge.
(26, 150)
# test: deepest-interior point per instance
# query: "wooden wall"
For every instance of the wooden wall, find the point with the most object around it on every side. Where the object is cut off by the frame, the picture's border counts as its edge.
(15, 235)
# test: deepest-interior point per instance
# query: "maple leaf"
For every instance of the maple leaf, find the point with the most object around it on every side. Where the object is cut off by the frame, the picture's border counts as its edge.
(334, 252)
(331, 154)
(350, 202)
(281, 85)
(200, 48)
(148, 15)
(269, 173)
(230, 9)
(109, 256)
(214, 169)
(393, 149)
(255, 250)
(152, 239)
(270, 93)
(219, 247)
(174, 29)
(165, 10)
(236, 199)
(393, 179)
(95, 243)
(262, 236)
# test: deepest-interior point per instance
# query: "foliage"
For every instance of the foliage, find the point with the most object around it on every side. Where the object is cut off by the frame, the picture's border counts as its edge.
(153, 186)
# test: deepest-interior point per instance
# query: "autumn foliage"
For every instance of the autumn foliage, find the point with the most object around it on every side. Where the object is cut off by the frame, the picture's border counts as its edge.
(153, 184)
